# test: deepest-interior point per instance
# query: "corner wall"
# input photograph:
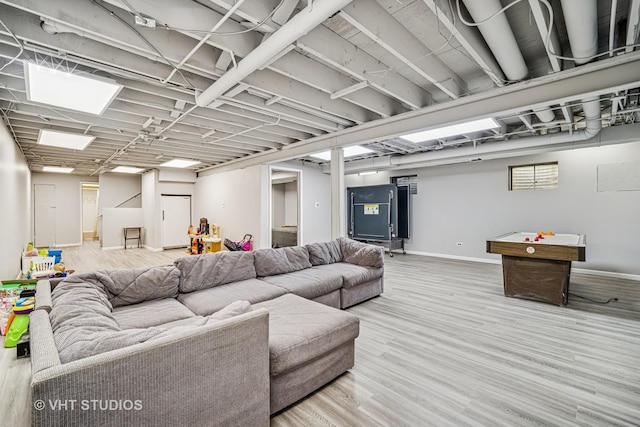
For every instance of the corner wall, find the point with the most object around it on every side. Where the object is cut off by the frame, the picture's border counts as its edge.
(470, 203)
(15, 213)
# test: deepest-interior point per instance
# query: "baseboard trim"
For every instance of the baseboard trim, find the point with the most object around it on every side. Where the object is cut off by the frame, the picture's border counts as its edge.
(66, 245)
(110, 248)
(149, 248)
(456, 257)
(607, 274)
(498, 261)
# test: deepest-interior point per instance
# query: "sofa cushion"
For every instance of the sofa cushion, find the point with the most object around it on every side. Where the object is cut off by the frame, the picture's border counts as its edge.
(270, 262)
(151, 313)
(83, 325)
(352, 275)
(359, 253)
(234, 309)
(301, 330)
(309, 283)
(324, 252)
(208, 301)
(132, 285)
(208, 270)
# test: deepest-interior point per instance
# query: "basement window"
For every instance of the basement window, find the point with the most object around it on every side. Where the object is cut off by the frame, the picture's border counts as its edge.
(411, 181)
(543, 176)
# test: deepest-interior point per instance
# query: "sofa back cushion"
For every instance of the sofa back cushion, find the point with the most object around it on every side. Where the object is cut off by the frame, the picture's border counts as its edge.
(362, 254)
(270, 262)
(83, 325)
(132, 285)
(324, 252)
(205, 271)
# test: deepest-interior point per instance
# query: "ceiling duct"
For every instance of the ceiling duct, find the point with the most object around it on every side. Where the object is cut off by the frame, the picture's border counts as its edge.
(581, 19)
(306, 20)
(502, 43)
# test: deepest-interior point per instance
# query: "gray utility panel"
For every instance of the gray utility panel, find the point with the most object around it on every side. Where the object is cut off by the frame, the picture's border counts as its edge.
(379, 213)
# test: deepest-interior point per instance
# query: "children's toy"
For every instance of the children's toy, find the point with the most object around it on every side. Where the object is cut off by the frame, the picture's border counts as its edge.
(18, 327)
(241, 245)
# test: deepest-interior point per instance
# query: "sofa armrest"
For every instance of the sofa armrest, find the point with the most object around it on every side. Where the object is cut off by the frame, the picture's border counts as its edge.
(361, 254)
(216, 374)
(43, 295)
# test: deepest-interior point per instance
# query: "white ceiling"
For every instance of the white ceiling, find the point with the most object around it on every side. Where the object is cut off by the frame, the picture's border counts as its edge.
(373, 70)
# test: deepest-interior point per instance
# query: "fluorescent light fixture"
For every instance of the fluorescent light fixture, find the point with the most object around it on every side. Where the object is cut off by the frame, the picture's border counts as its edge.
(73, 141)
(127, 169)
(81, 92)
(179, 163)
(56, 169)
(354, 150)
(367, 173)
(459, 129)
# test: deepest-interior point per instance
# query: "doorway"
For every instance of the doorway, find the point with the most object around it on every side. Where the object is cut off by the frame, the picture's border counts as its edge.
(176, 218)
(90, 194)
(286, 219)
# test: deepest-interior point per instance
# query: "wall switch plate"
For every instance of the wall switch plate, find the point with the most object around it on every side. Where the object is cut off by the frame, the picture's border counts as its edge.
(458, 243)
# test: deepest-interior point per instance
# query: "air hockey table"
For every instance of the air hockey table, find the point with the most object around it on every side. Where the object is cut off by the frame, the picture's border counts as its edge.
(538, 268)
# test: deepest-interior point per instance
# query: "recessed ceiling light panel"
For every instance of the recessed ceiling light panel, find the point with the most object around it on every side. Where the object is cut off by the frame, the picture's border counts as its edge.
(179, 163)
(453, 130)
(80, 92)
(127, 169)
(73, 141)
(56, 169)
(355, 150)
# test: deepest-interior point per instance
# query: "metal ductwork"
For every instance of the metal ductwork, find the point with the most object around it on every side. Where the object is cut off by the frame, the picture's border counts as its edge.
(502, 42)
(499, 37)
(581, 19)
(306, 20)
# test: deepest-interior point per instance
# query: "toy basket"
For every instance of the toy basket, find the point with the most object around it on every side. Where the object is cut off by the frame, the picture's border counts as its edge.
(42, 265)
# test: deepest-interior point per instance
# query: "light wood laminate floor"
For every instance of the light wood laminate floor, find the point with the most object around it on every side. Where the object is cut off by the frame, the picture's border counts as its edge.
(442, 346)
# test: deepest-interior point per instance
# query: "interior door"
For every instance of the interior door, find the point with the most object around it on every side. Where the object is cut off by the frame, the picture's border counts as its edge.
(44, 215)
(176, 218)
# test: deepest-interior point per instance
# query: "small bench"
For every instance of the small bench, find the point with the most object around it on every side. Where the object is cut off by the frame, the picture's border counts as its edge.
(310, 344)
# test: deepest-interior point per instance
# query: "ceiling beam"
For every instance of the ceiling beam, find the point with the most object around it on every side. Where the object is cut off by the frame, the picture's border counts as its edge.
(594, 79)
(373, 20)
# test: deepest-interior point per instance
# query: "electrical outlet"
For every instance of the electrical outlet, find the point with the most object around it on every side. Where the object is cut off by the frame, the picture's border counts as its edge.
(317, 204)
(223, 205)
(458, 243)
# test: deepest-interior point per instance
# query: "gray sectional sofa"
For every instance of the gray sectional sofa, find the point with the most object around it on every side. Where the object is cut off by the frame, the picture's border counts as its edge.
(217, 339)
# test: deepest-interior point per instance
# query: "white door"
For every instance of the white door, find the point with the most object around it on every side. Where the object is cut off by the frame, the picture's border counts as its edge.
(176, 218)
(44, 215)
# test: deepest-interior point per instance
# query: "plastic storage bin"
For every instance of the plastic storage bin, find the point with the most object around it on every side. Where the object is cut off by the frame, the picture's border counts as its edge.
(57, 253)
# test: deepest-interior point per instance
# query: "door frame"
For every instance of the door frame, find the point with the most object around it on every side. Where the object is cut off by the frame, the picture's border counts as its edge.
(98, 216)
(298, 172)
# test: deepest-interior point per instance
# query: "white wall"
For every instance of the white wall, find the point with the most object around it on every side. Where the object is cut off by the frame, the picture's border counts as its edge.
(152, 189)
(118, 188)
(68, 221)
(291, 203)
(114, 220)
(470, 203)
(233, 201)
(15, 213)
(151, 210)
(277, 205)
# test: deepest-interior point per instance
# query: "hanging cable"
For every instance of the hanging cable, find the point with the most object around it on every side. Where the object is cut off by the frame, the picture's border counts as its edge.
(147, 42)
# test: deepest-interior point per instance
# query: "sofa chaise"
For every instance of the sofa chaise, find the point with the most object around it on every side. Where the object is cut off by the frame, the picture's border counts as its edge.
(228, 338)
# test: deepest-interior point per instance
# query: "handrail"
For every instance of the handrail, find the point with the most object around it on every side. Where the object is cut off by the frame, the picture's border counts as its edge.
(130, 198)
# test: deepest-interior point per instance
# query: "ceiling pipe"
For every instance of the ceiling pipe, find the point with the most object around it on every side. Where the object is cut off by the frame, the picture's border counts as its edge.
(306, 20)
(581, 19)
(502, 43)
